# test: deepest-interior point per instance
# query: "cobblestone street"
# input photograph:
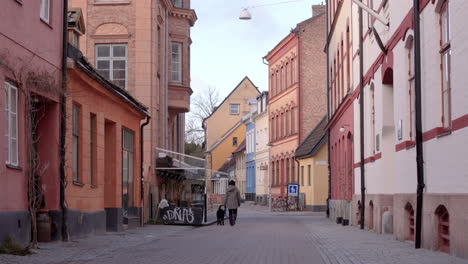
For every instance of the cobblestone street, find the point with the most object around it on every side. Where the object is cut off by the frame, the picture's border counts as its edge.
(258, 237)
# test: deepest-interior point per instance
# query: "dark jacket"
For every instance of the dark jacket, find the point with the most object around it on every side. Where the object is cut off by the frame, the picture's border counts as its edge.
(232, 198)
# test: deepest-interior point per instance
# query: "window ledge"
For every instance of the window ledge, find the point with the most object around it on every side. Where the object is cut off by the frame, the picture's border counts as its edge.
(46, 23)
(444, 133)
(111, 3)
(13, 167)
(78, 183)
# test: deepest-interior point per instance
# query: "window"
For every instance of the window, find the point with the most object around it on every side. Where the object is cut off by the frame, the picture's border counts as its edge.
(293, 71)
(277, 83)
(287, 171)
(272, 84)
(277, 173)
(127, 169)
(286, 79)
(348, 60)
(282, 125)
(45, 10)
(309, 174)
(277, 127)
(443, 229)
(293, 170)
(302, 175)
(287, 124)
(372, 117)
(176, 62)
(273, 173)
(293, 121)
(177, 3)
(11, 119)
(445, 53)
(234, 109)
(111, 62)
(92, 148)
(411, 95)
(234, 141)
(76, 126)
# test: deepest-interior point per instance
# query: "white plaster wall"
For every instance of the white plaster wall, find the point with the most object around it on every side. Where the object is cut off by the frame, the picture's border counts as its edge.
(262, 154)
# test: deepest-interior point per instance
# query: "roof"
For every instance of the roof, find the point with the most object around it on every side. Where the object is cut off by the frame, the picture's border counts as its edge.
(245, 78)
(240, 148)
(85, 66)
(313, 141)
(75, 19)
(230, 162)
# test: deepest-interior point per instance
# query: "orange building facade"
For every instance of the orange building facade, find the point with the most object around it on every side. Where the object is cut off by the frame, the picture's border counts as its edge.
(103, 159)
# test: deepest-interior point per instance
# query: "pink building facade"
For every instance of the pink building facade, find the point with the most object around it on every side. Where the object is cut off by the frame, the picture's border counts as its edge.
(30, 75)
(389, 101)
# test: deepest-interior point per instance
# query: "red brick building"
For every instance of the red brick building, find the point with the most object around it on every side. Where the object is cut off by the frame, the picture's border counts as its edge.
(297, 81)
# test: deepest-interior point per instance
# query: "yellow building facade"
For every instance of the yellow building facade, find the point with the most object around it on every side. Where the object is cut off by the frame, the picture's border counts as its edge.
(312, 158)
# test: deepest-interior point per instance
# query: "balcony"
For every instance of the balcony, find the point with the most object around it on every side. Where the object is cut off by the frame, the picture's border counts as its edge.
(179, 98)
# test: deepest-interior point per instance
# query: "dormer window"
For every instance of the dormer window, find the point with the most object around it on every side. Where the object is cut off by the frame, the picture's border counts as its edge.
(177, 3)
(75, 26)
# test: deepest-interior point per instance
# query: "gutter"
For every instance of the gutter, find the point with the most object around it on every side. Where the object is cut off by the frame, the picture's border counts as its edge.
(63, 120)
(142, 177)
(361, 117)
(418, 113)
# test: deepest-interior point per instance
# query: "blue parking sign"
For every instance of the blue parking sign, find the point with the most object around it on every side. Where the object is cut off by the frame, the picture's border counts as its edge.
(293, 189)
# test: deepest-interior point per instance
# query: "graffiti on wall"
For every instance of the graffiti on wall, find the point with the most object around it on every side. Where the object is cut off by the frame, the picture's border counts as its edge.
(182, 216)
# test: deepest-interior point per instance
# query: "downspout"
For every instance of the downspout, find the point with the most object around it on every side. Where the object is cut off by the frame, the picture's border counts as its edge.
(361, 117)
(418, 113)
(166, 82)
(63, 120)
(328, 114)
(142, 177)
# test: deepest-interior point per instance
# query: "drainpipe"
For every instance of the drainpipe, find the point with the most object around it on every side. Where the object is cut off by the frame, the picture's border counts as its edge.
(63, 120)
(142, 178)
(361, 116)
(328, 113)
(166, 82)
(418, 113)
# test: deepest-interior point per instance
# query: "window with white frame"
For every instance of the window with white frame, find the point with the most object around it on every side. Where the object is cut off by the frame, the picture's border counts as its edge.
(45, 10)
(127, 168)
(176, 62)
(411, 95)
(11, 120)
(111, 62)
(234, 109)
(445, 53)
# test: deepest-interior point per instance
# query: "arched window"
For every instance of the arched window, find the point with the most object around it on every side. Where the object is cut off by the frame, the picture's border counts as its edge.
(272, 84)
(281, 79)
(293, 170)
(293, 71)
(338, 76)
(287, 171)
(282, 124)
(443, 229)
(371, 215)
(287, 123)
(273, 173)
(277, 134)
(277, 173)
(286, 79)
(277, 83)
(343, 90)
(293, 121)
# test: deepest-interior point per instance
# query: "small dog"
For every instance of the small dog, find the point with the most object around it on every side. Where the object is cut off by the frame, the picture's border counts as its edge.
(220, 215)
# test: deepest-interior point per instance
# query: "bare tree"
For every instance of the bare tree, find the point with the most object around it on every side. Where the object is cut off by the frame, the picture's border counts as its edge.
(30, 80)
(203, 105)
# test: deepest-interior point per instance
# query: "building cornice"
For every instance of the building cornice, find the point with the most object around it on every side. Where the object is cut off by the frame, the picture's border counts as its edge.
(185, 13)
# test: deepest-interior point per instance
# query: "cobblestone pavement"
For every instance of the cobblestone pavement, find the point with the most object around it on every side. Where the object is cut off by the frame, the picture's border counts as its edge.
(258, 237)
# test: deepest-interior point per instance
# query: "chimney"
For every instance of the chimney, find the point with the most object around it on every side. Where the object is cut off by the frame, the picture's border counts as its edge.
(318, 9)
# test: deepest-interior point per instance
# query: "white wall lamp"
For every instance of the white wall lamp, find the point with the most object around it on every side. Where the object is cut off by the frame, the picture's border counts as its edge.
(343, 129)
(245, 13)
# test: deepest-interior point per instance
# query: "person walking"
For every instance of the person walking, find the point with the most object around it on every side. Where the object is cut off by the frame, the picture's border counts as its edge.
(232, 201)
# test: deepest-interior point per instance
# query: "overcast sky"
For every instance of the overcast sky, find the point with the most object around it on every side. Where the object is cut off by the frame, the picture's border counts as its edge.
(226, 49)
